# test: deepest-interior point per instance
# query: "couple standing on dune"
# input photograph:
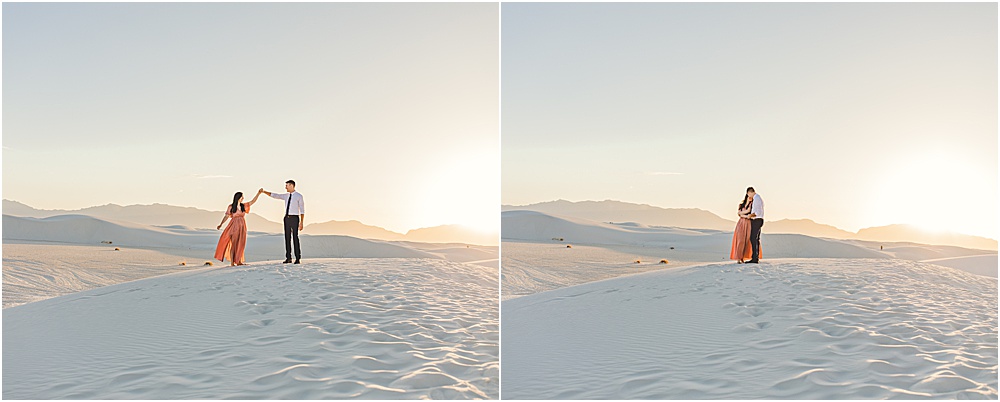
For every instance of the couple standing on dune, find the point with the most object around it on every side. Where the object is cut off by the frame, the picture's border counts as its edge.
(234, 239)
(746, 239)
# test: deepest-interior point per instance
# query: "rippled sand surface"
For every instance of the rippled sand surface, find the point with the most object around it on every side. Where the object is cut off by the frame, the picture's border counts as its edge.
(790, 328)
(326, 329)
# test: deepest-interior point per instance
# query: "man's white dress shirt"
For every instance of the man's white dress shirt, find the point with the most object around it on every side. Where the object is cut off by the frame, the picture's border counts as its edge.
(298, 205)
(758, 207)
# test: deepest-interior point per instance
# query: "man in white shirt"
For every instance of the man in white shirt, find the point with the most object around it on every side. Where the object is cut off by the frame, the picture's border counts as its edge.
(295, 217)
(756, 223)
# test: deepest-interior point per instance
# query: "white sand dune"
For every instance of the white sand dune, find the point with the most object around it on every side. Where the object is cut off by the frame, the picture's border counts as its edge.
(173, 216)
(979, 262)
(533, 262)
(154, 214)
(786, 328)
(488, 256)
(530, 268)
(985, 265)
(842, 319)
(913, 234)
(531, 225)
(33, 272)
(618, 211)
(325, 329)
(919, 252)
(453, 233)
(82, 229)
(707, 244)
(43, 258)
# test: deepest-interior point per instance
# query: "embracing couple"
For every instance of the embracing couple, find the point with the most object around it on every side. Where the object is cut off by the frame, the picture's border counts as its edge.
(234, 239)
(746, 239)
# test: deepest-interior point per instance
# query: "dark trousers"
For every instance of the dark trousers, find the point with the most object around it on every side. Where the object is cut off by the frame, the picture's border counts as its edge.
(292, 233)
(755, 226)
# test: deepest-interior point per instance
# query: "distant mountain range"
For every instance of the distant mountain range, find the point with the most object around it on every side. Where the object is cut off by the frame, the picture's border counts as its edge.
(194, 218)
(440, 234)
(84, 229)
(807, 226)
(155, 215)
(620, 212)
(693, 218)
(916, 235)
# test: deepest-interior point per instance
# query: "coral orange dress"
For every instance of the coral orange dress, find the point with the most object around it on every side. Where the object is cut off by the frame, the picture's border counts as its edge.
(234, 239)
(742, 249)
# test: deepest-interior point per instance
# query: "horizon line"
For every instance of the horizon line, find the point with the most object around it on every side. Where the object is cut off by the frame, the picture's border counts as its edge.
(929, 231)
(256, 214)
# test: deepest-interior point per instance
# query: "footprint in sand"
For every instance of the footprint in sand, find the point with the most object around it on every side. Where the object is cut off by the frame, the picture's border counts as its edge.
(752, 326)
(267, 340)
(255, 324)
(752, 312)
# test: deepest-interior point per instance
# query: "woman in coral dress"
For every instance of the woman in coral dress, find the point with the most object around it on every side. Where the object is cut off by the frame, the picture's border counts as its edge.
(234, 239)
(742, 249)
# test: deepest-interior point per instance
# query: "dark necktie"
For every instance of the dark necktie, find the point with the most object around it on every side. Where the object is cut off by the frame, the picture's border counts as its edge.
(289, 204)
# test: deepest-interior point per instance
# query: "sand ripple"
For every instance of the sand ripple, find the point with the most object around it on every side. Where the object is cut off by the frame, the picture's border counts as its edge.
(328, 329)
(800, 329)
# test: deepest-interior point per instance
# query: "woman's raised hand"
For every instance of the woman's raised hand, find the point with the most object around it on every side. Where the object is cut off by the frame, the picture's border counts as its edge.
(255, 197)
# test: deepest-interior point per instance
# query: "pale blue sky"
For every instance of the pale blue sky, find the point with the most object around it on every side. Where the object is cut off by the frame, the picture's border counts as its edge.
(384, 113)
(850, 114)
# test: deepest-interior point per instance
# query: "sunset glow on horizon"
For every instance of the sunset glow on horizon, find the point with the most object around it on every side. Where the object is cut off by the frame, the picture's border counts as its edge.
(848, 114)
(364, 105)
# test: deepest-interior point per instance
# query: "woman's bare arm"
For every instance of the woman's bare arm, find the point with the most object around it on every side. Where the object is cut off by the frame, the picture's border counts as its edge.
(255, 197)
(224, 219)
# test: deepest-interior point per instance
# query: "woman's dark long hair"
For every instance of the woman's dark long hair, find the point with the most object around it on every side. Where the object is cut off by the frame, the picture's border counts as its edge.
(744, 203)
(236, 201)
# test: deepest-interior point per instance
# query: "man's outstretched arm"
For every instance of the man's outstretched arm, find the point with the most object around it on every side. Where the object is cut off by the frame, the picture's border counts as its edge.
(277, 196)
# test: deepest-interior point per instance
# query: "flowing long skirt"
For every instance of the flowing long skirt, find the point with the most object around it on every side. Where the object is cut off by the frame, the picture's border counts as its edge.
(742, 249)
(233, 241)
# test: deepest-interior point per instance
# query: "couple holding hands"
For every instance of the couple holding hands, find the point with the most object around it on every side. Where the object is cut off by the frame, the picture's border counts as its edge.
(233, 241)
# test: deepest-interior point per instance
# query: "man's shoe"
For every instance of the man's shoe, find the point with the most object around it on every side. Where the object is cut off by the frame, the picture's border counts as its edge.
(753, 262)
(286, 261)
(296, 260)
